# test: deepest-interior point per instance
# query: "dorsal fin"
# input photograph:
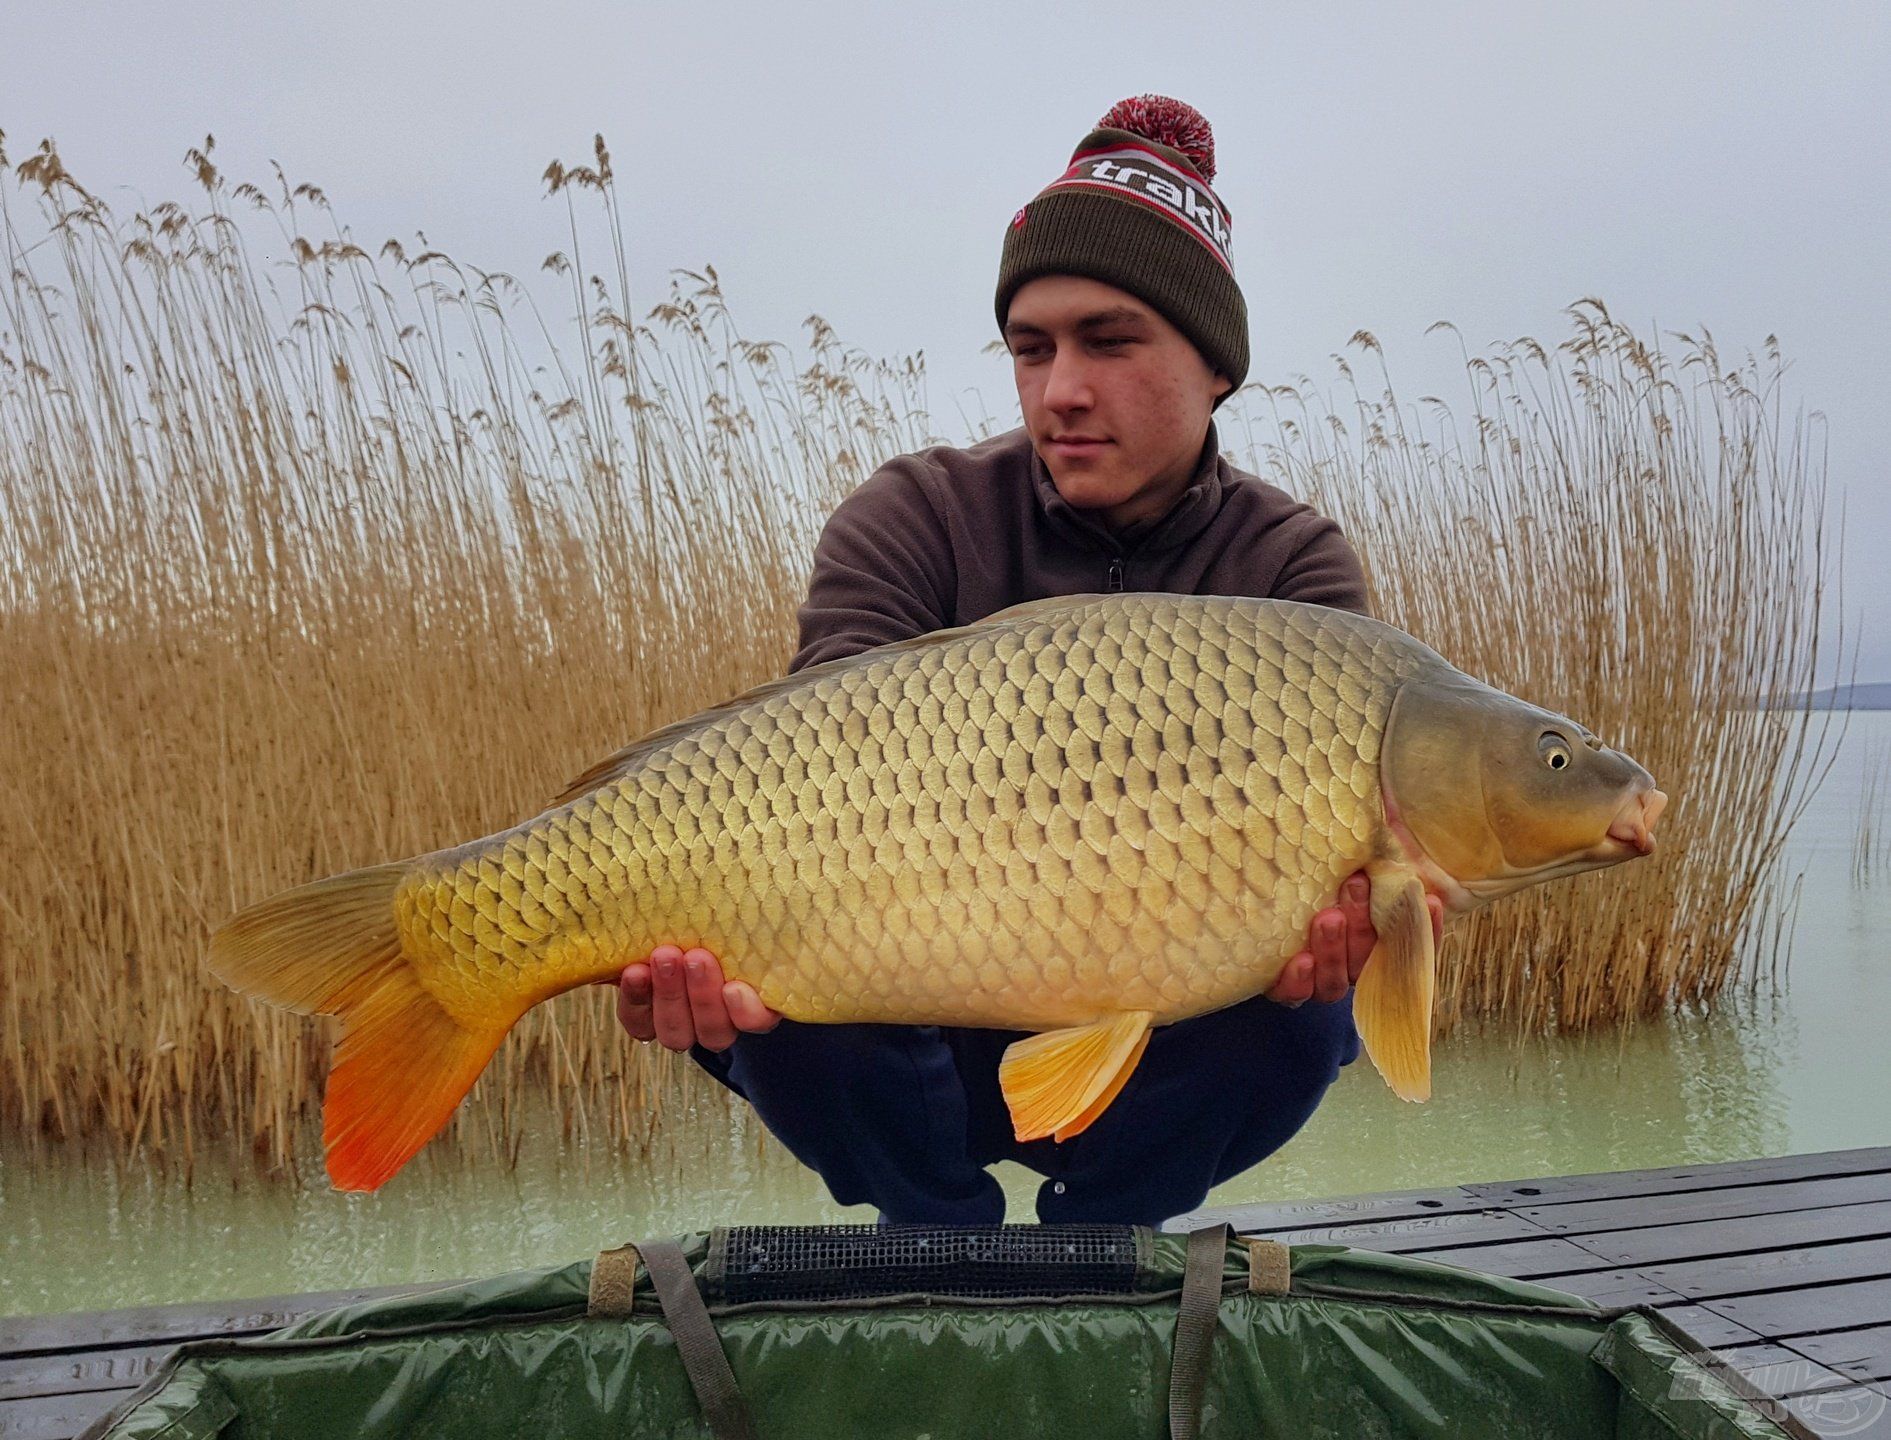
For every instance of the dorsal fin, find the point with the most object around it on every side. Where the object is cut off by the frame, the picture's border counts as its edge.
(615, 766)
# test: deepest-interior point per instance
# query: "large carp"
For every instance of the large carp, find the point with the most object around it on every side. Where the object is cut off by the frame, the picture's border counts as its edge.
(1082, 816)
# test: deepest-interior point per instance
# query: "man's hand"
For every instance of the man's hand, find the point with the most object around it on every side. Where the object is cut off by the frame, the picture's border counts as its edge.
(1339, 942)
(680, 1000)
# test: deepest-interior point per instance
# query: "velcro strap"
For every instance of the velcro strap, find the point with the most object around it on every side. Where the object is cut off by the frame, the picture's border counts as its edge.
(613, 1282)
(1270, 1268)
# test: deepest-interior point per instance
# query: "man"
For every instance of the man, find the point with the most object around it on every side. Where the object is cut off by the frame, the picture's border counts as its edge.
(1118, 303)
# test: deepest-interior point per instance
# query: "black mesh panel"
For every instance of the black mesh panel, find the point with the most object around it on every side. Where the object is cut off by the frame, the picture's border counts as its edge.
(852, 1262)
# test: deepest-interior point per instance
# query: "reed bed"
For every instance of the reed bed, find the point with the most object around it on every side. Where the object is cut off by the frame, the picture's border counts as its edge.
(312, 556)
(1631, 537)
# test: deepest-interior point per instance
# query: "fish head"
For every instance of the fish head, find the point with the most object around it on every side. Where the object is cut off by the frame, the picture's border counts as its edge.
(1499, 794)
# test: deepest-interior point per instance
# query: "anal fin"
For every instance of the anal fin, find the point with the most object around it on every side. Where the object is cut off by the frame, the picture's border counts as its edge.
(1392, 1002)
(1058, 1083)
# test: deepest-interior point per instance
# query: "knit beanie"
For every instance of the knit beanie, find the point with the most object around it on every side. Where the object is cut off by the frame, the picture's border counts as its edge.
(1134, 210)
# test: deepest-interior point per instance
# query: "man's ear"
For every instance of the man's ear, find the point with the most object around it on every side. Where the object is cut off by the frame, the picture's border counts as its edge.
(1227, 389)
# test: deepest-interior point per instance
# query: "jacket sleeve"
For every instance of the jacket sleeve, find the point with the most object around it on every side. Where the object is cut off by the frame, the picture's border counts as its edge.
(882, 569)
(1325, 570)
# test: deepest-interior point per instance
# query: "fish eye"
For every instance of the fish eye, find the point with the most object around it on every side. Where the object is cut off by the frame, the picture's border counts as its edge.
(1554, 749)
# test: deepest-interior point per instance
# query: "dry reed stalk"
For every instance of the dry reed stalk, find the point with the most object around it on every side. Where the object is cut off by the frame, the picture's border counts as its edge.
(311, 562)
(1871, 848)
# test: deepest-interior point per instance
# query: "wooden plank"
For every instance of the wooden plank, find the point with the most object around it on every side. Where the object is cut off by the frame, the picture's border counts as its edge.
(54, 1417)
(1803, 1312)
(1518, 1259)
(1419, 1232)
(1793, 1269)
(1864, 1354)
(1724, 1202)
(103, 1329)
(1648, 1245)
(1708, 1330)
(1612, 1287)
(68, 1372)
(1777, 1370)
(1857, 1413)
(1309, 1214)
(1609, 1184)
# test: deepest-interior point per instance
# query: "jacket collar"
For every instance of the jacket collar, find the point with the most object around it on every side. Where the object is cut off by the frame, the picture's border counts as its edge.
(1191, 513)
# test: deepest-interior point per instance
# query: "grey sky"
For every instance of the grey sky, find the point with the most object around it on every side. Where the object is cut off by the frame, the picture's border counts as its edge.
(1387, 164)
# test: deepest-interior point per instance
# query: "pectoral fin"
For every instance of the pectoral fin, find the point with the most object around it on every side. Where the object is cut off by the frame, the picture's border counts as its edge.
(1057, 1083)
(1392, 1003)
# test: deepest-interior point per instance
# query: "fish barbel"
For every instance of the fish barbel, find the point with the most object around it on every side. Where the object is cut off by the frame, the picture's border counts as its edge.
(1082, 816)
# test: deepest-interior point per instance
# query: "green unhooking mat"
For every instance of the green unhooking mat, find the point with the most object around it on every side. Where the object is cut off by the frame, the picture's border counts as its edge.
(1091, 1332)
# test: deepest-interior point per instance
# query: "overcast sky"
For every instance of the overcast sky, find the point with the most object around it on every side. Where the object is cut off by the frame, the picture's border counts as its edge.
(1387, 164)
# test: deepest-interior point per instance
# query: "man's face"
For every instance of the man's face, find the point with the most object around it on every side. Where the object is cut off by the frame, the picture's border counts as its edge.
(1115, 398)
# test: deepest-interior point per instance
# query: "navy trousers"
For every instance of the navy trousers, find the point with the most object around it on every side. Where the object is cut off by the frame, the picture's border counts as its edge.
(906, 1118)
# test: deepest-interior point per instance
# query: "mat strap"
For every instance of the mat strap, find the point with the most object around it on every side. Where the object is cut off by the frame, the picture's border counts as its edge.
(1197, 1316)
(613, 1277)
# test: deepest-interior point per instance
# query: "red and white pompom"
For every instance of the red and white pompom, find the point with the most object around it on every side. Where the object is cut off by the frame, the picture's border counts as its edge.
(1167, 122)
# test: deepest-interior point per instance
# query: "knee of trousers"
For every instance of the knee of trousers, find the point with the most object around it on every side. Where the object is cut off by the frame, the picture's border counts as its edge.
(1313, 1044)
(1310, 1042)
(867, 1106)
(1325, 1033)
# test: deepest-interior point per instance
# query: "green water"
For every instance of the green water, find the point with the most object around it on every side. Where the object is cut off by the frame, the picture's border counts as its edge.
(1805, 1069)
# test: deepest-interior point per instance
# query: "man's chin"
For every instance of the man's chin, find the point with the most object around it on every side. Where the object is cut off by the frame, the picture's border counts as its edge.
(1083, 487)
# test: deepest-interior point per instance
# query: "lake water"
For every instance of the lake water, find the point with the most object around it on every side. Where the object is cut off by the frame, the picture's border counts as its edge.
(1805, 1068)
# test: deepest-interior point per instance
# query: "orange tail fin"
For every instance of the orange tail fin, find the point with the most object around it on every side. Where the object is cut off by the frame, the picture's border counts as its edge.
(403, 1063)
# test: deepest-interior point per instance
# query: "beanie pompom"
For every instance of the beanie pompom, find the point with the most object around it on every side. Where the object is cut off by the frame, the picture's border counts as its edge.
(1168, 122)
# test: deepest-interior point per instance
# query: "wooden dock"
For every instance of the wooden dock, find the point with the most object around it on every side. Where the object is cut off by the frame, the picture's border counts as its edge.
(1782, 1268)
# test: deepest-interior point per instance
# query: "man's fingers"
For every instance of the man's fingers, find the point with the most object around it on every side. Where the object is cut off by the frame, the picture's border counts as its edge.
(680, 1000)
(1355, 902)
(1329, 945)
(746, 1009)
(708, 1011)
(633, 1002)
(1294, 985)
(669, 999)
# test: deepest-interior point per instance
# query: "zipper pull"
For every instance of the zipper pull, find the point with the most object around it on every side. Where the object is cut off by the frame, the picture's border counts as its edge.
(1115, 582)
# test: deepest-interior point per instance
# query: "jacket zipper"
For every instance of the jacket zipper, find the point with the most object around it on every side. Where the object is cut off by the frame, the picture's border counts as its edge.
(1115, 582)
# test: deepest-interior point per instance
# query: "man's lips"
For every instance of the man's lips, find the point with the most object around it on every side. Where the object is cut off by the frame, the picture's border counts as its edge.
(1077, 444)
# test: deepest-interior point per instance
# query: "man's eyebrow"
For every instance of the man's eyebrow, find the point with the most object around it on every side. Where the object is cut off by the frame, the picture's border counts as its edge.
(1096, 320)
(1120, 315)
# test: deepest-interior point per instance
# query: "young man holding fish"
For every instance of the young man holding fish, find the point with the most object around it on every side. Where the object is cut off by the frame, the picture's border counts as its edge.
(1101, 823)
(1117, 300)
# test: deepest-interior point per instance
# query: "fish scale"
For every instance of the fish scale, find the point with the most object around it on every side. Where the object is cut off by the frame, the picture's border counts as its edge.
(1146, 797)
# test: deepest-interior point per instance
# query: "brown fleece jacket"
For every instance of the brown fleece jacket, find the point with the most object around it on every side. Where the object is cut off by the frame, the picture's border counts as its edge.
(948, 536)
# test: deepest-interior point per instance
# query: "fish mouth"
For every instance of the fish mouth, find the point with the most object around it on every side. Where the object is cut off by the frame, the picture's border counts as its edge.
(1632, 830)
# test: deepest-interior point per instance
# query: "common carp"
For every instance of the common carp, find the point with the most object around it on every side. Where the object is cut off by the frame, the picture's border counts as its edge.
(1082, 816)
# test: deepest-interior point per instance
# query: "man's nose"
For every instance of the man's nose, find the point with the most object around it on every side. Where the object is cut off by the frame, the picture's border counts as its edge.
(1068, 385)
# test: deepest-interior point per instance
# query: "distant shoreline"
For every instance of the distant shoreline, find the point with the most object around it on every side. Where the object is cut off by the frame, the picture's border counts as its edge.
(1875, 696)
